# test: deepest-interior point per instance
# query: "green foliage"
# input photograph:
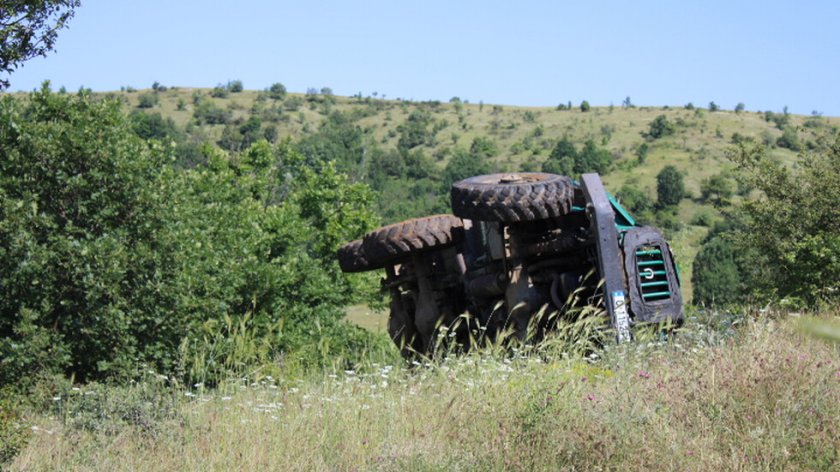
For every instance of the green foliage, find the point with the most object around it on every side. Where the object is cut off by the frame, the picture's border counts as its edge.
(642, 152)
(235, 86)
(415, 131)
(81, 196)
(740, 107)
(562, 158)
(566, 160)
(154, 126)
(592, 158)
(277, 91)
(147, 100)
(110, 257)
(339, 139)
(789, 139)
(15, 430)
(584, 106)
(467, 163)
(716, 276)
(29, 29)
(660, 127)
(713, 106)
(717, 189)
(220, 91)
(793, 227)
(636, 201)
(669, 186)
(207, 112)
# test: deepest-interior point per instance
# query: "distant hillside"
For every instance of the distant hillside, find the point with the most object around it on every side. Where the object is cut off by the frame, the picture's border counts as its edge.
(428, 134)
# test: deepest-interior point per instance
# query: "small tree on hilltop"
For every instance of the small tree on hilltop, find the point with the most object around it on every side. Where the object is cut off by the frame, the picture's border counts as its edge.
(669, 187)
(277, 91)
(584, 106)
(235, 86)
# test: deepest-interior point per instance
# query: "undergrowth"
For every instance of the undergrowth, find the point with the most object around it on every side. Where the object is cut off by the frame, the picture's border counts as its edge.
(727, 391)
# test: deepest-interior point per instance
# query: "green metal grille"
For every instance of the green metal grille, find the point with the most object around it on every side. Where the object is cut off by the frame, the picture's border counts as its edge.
(653, 278)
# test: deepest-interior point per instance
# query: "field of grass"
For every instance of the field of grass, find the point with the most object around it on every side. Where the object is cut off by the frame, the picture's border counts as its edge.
(728, 393)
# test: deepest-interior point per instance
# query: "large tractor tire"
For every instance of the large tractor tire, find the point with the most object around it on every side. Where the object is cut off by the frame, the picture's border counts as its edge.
(395, 241)
(512, 198)
(352, 258)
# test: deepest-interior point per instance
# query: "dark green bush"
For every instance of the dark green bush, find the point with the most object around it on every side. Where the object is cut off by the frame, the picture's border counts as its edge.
(110, 257)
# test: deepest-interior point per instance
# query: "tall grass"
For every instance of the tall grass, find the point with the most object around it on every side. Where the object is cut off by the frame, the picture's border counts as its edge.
(727, 393)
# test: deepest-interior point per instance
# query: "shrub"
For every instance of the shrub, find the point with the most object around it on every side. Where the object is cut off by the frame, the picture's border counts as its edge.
(716, 277)
(110, 258)
(147, 100)
(219, 91)
(793, 226)
(235, 86)
(660, 127)
(789, 139)
(277, 91)
(669, 186)
(584, 106)
(207, 112)
(717, 189)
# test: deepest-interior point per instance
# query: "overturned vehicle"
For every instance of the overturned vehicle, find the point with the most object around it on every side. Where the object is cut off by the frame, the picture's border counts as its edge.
(518, 246)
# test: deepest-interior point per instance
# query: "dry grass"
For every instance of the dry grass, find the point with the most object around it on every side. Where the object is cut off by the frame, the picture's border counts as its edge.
(756, 397)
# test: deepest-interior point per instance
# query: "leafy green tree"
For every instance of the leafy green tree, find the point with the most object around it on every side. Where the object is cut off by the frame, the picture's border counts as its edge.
(207, 112)
(636, 201)
(29, 29)
(669, 186)
(739, 108)
(110, 258)
(584, 106)
(465, 164)
(660, 127)
(147, 100)
(642, 152)
(789, 139)
(716, 277)
(339, 139)
(793, 226)
(562, 158)
(220, 91)
(155, 126)
(713, 106)
(277, 91)
(592, 158)
(484, 148)
(80, 215)
(235, 86)
(718, 189)
(415, 130)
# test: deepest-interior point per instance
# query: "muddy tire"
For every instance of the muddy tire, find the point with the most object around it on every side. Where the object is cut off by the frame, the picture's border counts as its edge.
(352, 258)
(512, 198)
(395, 241)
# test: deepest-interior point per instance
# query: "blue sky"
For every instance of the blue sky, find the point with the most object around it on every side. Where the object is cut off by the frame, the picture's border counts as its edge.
(766, 54)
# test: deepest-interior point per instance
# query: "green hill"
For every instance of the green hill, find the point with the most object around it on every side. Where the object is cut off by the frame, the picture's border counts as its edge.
(520, 138)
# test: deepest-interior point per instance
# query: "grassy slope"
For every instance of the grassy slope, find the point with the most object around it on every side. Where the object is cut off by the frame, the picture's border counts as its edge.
(697, 149)
(767, 398)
